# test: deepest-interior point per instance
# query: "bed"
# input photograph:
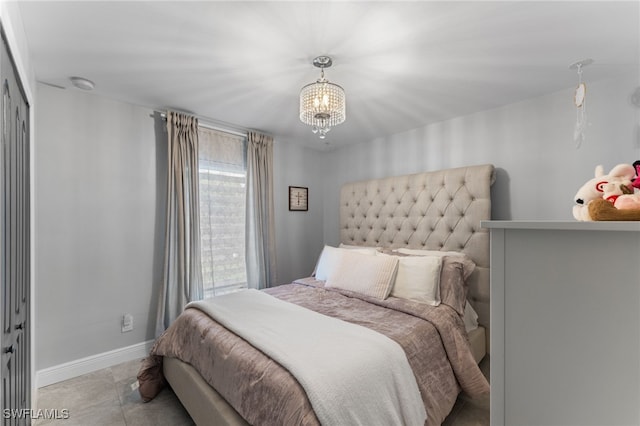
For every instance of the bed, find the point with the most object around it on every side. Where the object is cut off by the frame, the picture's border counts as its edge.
(232, 383)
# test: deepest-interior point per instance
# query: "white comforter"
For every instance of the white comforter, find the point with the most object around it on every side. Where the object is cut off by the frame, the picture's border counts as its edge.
(352, 375)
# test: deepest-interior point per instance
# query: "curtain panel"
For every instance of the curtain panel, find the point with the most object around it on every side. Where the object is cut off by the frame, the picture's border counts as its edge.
(182, 277)
(260, 222)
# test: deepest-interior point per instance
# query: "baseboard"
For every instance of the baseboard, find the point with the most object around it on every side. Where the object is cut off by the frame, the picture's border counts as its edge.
(69, 370)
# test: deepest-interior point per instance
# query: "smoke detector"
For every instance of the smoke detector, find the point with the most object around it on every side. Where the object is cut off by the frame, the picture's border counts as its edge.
(82, 83)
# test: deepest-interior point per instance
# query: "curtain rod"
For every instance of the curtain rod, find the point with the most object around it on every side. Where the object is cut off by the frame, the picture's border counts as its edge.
(220, 126)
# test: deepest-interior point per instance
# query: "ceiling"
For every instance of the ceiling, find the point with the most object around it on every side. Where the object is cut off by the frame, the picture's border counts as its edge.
(403, 65)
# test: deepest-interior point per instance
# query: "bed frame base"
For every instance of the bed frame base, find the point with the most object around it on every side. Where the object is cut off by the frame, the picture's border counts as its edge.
(204, 404)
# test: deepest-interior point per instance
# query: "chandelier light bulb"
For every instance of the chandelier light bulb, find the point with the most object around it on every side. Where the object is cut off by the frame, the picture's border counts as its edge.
(322, 104)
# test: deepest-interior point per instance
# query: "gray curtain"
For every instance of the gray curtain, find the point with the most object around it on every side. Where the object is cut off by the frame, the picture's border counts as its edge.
(182, 278)
(260, 230)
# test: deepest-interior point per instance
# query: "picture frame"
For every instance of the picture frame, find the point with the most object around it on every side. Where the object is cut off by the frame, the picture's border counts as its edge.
(298, 198)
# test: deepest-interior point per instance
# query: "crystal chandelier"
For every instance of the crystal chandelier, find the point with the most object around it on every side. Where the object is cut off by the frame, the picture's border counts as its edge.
(322, 104)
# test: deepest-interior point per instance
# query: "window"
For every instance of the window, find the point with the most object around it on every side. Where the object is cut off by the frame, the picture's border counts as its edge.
(222, 167)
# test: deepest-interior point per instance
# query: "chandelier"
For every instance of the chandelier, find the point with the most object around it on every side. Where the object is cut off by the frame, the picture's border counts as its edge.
(322, 104)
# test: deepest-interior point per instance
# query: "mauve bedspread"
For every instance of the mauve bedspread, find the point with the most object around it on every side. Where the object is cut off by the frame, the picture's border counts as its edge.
(264, 393)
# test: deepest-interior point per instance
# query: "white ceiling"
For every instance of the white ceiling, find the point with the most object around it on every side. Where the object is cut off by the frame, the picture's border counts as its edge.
(402, 64)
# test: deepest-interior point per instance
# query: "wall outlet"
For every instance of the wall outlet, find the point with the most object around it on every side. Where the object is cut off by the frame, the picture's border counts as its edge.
(127, 323)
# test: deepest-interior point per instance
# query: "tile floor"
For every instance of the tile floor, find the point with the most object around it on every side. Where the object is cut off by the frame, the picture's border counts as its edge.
(106, 398)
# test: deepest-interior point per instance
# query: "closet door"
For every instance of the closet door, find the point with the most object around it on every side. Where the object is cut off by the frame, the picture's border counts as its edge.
(15, 246)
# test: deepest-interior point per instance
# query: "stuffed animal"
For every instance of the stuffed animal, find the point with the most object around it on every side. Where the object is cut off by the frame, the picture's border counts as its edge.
(621, 196)
(636, 181)
(603, 210)
(593, 189)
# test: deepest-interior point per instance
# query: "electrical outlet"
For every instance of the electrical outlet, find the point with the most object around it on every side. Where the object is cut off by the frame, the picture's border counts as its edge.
(127, 323)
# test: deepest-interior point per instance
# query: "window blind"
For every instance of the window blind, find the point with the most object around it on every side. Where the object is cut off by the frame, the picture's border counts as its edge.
(222, 171)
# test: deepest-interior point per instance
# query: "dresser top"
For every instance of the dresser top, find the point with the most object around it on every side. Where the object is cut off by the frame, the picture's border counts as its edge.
(570, 225)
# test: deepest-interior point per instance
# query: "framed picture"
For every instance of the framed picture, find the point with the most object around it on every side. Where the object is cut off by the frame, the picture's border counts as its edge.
(298, 198)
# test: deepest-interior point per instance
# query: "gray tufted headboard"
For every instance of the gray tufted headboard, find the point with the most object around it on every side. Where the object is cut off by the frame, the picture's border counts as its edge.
(439, 210)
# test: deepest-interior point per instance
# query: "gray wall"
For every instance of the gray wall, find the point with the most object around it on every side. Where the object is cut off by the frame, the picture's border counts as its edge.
(97, 224)
(531, 144)
(299, 237)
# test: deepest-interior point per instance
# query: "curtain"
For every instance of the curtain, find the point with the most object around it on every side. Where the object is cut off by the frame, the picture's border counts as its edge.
(182, 278)
(260, 229)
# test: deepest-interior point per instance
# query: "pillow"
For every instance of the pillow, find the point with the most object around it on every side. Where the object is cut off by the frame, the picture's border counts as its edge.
(424, 252)
(362, 273)
(456, 268)
(468, 264)
(351, 247)
(329, 257)
(418, 279)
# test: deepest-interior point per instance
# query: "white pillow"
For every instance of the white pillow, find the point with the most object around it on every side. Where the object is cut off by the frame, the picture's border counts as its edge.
(329, 257)
(420, 252)
(362, 273)
(352, 247)
(468, 264)
(418, 279)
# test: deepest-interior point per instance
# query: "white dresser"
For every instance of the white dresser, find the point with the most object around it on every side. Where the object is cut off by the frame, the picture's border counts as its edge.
(565, 323)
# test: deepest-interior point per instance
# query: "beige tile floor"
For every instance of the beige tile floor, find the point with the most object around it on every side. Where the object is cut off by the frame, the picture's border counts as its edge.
(106, 398)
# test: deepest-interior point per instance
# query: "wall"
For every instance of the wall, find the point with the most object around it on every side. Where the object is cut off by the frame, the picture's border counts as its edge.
(299, 237)
(97, 221)
(531, 144)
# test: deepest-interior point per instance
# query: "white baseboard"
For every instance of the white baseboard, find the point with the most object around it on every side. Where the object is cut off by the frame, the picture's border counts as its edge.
(69, 370)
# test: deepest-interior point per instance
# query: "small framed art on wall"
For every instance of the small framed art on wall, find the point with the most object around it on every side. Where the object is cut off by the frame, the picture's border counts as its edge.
(298, 198)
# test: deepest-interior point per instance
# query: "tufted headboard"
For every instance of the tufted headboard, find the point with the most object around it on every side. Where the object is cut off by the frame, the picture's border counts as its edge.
(439, 210)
